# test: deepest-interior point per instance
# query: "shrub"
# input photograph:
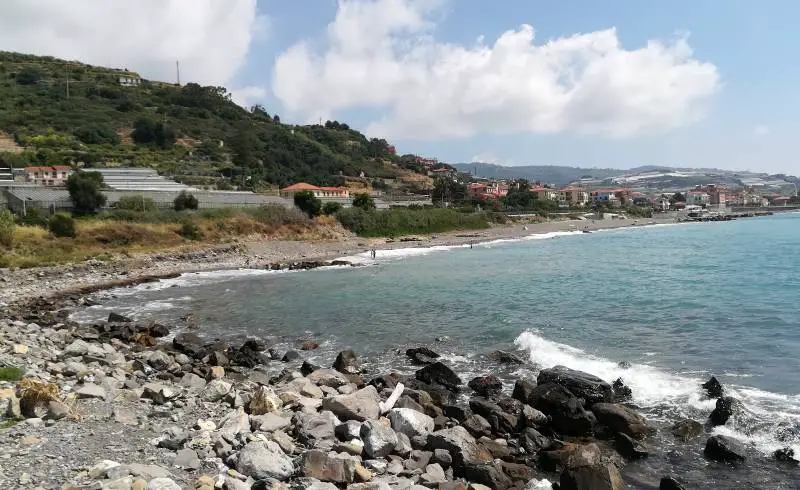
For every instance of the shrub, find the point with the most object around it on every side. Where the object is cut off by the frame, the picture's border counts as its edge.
(137, 203)
(7, 227)
(308, 203)
(97, 134)
(331, 208)
(62, 225)
(10, 374)
(398, 221)
(364, 201)
(33, 217)
(190, 230)
(28, 76)
(185, 201)
(84, 191)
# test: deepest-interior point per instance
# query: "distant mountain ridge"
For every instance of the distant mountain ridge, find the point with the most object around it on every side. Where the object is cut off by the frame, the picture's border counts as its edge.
(646, 176)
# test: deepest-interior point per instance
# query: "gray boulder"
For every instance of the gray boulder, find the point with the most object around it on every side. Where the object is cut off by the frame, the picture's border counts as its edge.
(316, 430)
(566, 412)
(724, 449)
(362, 405)
(328, 377)
(379, 440)
(163, 484)
(595, 477)
(328, 467)
(264, 460)
(410, 422)
(461, 445)
(269, 422)
(215, 390)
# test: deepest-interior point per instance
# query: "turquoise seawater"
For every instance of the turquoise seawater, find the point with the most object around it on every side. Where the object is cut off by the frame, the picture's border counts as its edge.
(679, 302)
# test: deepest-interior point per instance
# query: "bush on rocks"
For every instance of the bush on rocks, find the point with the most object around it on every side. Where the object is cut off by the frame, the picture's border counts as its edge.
(62, 225)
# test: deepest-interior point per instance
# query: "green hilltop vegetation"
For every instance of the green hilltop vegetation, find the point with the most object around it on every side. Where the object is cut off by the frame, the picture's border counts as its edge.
(64, 112)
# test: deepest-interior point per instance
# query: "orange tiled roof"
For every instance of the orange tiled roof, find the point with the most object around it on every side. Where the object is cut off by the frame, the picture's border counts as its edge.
(301, 186)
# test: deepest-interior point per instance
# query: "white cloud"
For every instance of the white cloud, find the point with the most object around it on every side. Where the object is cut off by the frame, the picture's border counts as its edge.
(382, 54)
(486, 157)
(248, 96)
(761, 130)
(211, 38)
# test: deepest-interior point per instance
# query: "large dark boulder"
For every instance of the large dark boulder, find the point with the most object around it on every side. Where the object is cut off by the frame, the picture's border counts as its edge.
(629, 447)
(724, 449)
(595, 477)
(486, 385)
(726, 408)
(621, 419)
(256, 344)
(440, 395)
(522, 390)
(504, 357)
(501, 421)
(622, 393)
(785, 455)
(189, 343)
(669, 483)
(533, 441)
(439, 373)
(421, 355)
(117, 318)
(583, 385)
(566, 411)
(713, 388)
(347, 362)
(477, 425)
(247, 357)
(490, 475)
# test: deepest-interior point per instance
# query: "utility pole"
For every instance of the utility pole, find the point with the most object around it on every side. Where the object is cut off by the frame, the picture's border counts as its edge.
(178, 71)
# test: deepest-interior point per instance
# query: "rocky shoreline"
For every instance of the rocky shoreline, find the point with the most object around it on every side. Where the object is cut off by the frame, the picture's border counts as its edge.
(118, 405)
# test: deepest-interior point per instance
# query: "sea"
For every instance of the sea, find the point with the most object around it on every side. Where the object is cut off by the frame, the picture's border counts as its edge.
(663, 307)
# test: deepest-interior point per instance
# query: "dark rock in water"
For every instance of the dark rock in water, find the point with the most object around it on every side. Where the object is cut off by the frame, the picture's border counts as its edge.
(422, 355)
(157, 330)
(309, 345)
(583, 385)
(455, 412)
(308, 368)
(624, 364)
(726, 408)
(247, 357)
(785, 455)
(713, 388)
(566, 411)
(595, 477)
(686, 430)
(622, 392)
(504, 357)
(500, 420)
(669, 483)
(533, 441)
(498, 449)
(724, 449)
(291, 356)
(490, 475)
(117, 318)
(189, 343)
(621, 419)
(439, 373)
(347, 362)
(523, 389)
(440, 395)
(255, 344)
(486, 385)
(629, 447)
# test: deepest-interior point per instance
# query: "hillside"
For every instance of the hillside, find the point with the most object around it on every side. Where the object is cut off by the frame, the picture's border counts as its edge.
(644, 177)
(550, 174)
(60, 112)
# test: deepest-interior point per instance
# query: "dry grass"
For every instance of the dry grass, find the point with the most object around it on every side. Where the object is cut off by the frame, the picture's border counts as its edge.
(105, 238)
(34, 393)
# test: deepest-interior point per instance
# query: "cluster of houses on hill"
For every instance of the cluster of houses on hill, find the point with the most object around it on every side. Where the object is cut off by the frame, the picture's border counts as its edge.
(710, 196)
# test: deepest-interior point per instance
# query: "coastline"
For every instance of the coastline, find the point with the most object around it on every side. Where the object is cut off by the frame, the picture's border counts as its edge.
(94, 275)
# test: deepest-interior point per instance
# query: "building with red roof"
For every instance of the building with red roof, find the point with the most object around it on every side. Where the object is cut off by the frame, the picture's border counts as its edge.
(55, 175)
(320, 192)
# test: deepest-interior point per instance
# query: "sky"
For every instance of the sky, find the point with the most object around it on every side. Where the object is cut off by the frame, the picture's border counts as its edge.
(586, 83)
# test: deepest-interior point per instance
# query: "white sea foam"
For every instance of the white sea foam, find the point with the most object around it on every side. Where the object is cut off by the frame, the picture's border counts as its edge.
(190, 279)
(653, 387)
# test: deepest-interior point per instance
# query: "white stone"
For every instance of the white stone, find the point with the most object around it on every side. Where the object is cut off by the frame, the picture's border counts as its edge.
(410, 422)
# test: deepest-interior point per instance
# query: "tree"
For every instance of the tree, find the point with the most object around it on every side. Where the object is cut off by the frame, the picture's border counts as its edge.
(97, 134)
(84, 191)
(331, 207)
(185, 201)
(137, 203)
(308, 203)
(62, 225)
(448, 190)
(363, 201)
(28, 76)
(7, 227)
(146, 131)
(678, 197)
